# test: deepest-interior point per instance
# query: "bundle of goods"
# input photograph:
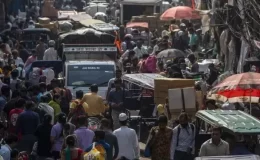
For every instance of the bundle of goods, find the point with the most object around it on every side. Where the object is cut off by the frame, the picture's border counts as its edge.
(45, 22)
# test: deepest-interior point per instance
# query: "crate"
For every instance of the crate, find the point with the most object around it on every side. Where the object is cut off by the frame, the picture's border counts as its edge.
(44, 20)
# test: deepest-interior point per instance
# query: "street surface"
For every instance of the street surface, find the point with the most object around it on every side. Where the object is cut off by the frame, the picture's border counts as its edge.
(142, 147)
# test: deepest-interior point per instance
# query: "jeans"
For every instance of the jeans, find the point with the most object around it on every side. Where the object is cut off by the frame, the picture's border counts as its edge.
(180, 155)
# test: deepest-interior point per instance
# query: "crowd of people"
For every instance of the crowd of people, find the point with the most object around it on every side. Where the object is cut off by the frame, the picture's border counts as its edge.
(40, 119)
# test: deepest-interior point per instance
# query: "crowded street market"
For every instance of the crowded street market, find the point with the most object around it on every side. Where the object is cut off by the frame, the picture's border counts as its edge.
(129, 80)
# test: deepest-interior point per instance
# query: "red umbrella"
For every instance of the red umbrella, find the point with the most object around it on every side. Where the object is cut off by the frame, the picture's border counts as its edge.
(243, 87)
(180, 12)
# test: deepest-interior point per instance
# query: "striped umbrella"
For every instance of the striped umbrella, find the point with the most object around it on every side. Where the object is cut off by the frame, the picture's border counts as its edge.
(243, 87)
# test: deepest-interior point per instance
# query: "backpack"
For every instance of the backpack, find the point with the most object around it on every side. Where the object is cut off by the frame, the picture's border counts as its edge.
(65, 100)
(178, 41)
(150, 64)
(97, 152)
(78, 111)
(179, 130)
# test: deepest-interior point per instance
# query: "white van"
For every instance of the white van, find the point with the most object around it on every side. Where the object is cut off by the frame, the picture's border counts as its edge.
(80, 75)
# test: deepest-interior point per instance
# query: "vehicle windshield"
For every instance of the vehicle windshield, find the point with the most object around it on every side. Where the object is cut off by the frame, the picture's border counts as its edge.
(86, 75)
(34, 36)
(31, 39)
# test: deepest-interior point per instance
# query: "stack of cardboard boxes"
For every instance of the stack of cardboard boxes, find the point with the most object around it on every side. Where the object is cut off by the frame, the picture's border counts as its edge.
(45, 22)
(162, 85)
(180, 92)
(153, 21)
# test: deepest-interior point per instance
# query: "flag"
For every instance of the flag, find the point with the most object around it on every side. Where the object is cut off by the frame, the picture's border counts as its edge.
(117, 42)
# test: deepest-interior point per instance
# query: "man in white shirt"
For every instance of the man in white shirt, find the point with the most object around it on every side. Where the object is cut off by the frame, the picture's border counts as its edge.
(139, 49)
(18, 61)
(127, 140)
(50, 54)
(165, 32)
(214, 146)
(147, 34)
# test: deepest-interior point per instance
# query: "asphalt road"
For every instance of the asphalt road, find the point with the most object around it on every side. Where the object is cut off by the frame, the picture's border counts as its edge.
(142, 147)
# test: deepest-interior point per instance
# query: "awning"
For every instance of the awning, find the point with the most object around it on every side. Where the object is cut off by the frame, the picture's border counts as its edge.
(137, 24)
(145, 80)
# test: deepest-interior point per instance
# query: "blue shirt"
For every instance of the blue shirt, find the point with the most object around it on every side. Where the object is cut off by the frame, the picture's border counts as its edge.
(2, 102)
(27, 122)
(5, 152)
(117, 97)
(102, 142)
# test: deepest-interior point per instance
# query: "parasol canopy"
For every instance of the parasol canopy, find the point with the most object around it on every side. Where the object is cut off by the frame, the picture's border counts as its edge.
(137, 24)
(244, 87)
(180, 12)
(171, 53)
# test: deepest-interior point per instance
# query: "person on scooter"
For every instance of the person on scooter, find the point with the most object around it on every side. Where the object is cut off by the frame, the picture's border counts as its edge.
(193, 63)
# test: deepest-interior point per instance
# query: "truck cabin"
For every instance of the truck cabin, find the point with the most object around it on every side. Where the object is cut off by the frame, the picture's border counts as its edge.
(86, 36)
(31, 36)
(98, 72)
(148, 7)
(89, 52)
(82, 38)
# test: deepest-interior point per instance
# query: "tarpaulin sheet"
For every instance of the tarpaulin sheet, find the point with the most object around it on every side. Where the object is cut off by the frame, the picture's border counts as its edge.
(142, 80)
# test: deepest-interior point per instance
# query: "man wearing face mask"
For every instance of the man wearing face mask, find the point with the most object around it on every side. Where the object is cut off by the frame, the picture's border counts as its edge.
(183, 140)
(159, 140)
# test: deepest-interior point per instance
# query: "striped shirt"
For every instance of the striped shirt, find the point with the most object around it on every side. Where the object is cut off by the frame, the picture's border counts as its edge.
(186, 139)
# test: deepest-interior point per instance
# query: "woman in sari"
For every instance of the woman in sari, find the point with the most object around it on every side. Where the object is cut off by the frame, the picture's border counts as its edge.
(71, 152)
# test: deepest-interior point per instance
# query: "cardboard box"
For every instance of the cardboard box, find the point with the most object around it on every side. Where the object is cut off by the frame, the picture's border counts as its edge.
(182, 99)
(162, 85)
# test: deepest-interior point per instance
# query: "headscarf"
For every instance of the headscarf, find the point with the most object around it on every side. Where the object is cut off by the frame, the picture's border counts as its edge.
(160, 109)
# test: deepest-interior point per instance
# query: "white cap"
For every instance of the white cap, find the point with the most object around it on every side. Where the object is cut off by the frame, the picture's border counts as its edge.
(183, 25)
(122, 117)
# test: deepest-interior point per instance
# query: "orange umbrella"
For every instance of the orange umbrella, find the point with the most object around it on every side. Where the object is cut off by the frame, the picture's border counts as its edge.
(180, 12)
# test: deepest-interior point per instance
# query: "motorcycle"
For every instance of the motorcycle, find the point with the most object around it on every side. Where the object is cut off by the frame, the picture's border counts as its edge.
(206, 54)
